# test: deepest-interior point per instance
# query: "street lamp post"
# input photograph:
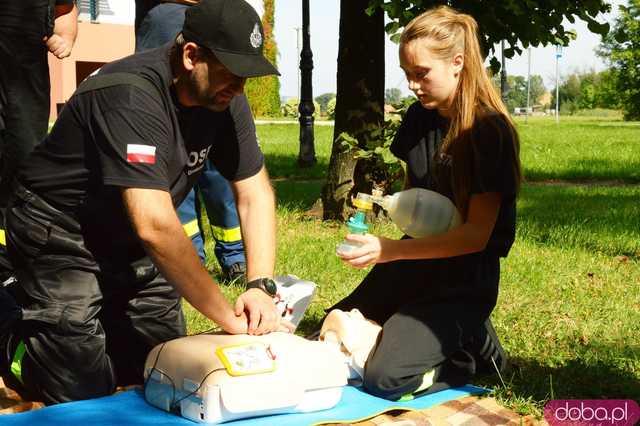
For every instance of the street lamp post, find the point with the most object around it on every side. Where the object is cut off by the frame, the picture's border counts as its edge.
(558, 56)
(526, 116)
(503, 75)
(307, 154)
(297, 30)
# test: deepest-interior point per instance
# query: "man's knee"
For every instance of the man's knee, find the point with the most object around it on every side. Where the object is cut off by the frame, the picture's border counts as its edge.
(66, 373)
(60, 361)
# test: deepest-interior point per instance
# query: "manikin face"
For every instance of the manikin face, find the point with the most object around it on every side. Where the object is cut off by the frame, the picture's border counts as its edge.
(212, 86)
(434, 81)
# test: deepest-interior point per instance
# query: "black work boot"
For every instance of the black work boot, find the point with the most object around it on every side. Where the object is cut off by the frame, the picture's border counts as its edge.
(489, 354)
(236, 273)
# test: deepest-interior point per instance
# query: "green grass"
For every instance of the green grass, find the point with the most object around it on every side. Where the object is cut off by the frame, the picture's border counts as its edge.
(569, 307)
(580, 148)
(600, 219)
(280, 144)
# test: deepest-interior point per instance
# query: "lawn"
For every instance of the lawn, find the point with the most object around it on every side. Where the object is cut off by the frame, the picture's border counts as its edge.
(569, 306)
(580, 149)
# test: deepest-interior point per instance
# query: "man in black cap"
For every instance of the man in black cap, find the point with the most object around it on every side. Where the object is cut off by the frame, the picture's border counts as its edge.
(100, 255)
(157, 23)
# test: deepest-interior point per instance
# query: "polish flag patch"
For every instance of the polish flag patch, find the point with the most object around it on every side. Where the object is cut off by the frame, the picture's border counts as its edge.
(141, 154)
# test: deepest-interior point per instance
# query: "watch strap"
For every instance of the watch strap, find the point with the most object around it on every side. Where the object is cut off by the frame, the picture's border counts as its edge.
(260, 283)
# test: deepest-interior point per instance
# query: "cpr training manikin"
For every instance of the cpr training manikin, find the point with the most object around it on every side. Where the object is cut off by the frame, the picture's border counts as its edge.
(214, 378)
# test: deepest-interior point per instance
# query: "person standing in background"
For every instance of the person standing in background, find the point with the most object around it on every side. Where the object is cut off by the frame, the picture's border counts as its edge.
(28, 30)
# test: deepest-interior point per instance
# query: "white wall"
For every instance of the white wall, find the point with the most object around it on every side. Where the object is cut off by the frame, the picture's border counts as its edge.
(124, 12)
(258, 5)
(110, 11)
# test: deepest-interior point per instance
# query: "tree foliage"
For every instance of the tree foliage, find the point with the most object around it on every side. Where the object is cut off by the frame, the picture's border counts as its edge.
(536, 89)
(622, 49)
(323, 101)
(376, 150)
(290, 108)
(264, 92)
(530, 22)
(587, 90)
(392, 96)
(516, 95)
(331, 108)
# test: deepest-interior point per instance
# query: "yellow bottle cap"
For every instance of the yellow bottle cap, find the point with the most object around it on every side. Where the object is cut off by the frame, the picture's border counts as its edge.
(363, 204)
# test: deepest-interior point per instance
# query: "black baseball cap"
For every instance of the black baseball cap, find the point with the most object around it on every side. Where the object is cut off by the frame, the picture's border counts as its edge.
(232, 30)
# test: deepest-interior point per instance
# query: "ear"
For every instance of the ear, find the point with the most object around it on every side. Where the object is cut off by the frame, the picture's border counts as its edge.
(457, 62)
(190, 56)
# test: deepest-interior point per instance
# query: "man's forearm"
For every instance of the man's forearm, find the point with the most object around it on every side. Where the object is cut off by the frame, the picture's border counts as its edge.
(256, 209)
(166, 243)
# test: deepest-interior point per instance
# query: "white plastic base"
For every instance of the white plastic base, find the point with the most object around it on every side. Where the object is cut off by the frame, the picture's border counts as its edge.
(210, 408)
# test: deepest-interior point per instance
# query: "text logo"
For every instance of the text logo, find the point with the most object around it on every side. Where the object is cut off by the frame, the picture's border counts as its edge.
(592, 412)
(196, 160)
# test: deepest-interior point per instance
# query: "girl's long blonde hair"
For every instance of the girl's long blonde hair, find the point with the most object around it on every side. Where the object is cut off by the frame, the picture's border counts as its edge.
(448, 32)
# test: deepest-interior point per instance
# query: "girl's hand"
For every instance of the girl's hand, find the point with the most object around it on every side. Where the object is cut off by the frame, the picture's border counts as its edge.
(372, 250)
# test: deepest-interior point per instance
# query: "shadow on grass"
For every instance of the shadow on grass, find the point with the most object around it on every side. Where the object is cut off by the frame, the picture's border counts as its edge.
(611, 125)
(603, 372)
(297, 194)
(286, 166)
(309, 325)
(605, 219)
(579, 378)
(589, 169)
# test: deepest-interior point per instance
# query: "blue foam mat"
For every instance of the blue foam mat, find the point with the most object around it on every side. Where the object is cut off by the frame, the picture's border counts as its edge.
(130, 408)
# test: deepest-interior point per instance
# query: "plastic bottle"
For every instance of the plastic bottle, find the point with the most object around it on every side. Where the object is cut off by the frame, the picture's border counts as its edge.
(356, 223)
(419, 212)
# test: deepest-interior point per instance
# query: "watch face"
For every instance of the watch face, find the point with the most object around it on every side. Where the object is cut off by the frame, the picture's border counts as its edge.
(270, 286)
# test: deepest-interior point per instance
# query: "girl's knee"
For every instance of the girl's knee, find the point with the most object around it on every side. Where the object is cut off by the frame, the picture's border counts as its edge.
(377, 384)
(381, 381)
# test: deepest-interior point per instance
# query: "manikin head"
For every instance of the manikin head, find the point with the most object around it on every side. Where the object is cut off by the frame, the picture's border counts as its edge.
(353, 333)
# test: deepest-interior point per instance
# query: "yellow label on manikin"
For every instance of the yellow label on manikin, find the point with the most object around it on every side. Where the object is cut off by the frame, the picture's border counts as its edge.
(247, 358)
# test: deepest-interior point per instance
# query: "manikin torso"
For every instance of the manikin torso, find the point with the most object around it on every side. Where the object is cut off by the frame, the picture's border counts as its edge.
(220, 377)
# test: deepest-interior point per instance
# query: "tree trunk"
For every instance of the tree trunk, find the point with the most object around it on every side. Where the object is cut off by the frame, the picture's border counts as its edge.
(359, 99)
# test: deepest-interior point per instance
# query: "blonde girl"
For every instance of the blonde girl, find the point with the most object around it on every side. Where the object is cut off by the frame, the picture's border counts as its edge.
(434, 295)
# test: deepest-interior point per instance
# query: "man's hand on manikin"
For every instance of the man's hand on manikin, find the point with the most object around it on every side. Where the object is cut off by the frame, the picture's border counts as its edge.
(261, 312)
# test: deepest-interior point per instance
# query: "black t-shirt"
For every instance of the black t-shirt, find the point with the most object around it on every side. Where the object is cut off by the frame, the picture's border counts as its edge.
(122, 136)
(417, 143)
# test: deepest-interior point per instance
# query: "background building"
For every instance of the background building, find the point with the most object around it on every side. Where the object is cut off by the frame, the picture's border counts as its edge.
(105, 33)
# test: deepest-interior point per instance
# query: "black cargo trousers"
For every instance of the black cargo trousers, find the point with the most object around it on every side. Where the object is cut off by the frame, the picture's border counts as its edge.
(86, 326)
(433, 315)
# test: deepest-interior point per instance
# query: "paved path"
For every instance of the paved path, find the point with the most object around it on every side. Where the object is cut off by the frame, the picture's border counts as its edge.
(317, 122)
